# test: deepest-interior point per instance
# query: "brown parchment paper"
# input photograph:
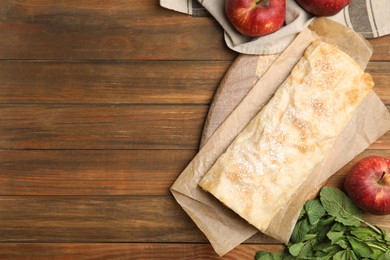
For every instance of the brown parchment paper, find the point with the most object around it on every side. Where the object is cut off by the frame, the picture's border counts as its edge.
(224, 228)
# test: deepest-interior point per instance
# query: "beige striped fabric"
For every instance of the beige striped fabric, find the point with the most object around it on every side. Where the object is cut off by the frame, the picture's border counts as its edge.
(371, 18)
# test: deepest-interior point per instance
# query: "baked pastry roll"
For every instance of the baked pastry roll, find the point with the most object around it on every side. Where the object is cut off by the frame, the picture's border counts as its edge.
(278, 150)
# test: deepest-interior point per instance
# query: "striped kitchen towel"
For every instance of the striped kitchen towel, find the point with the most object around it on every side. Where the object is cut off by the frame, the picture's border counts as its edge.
(371, 18)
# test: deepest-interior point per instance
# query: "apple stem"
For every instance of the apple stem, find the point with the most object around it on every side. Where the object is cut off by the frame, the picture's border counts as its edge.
(381, 179)
(262, 2)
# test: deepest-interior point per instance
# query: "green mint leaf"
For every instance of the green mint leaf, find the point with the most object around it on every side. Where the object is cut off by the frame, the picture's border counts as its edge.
(288, 257)
(365, 233)
(338, 238)
(346, 254)
(314, 211)
(319, 246)
(309, 237)
(386, 237)
(343, 243)
(327, 220)
(328, 248)
(295, 249)
(341, 255)
(325, 257)
(302, 213)
(378, 249)
(300, 230)
(323, 227)
(334, 236)
(263, 255)
(339, 205)
(322, 256)
(359, 247)
(307, 250)
(351, 255)
(339, 227)
(385, 256)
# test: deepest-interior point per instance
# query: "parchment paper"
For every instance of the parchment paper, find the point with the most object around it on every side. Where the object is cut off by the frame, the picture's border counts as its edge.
(225, 229)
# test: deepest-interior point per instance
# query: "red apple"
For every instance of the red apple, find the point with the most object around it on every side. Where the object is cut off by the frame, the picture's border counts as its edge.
(368, 184)
(254, 18)
(323, 7)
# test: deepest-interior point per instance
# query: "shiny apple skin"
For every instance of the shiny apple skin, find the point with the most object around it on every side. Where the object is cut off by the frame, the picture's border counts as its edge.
(363, 187)
(254, 20)
(323, 7)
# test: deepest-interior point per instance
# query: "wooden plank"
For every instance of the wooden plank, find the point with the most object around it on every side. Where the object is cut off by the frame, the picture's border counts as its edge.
(91, 172)
(170, 82)
(381, 48)
(98, 219)
(100, 126)
(113, 30)
(383, 143)
(107, 127)
(96, 172)
(380, 72)
(60, 251)
(106, 219)
(110, 82)
(120, 30)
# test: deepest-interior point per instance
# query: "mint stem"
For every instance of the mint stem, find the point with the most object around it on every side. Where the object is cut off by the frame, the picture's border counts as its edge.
(377, 247)
(370, 225)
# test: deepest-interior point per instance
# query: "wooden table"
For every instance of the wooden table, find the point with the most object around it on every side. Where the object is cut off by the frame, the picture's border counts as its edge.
(102, 106)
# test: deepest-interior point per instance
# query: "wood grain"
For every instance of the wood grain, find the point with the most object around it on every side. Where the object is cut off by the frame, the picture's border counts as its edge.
(104, 172)
(168, 82)
(381, 49)
(106, 30)
(91, 172)
(106, 219)
(151, 82)
(113, 30)
(95, 219)
(380, 72)
(60, 251)
(101, 126)
(98, 219)
(102, 105)
(107, 127)
(382, 143)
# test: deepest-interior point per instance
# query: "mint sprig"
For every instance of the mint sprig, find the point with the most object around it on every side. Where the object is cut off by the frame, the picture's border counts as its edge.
(331, 227)
(337, 204)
